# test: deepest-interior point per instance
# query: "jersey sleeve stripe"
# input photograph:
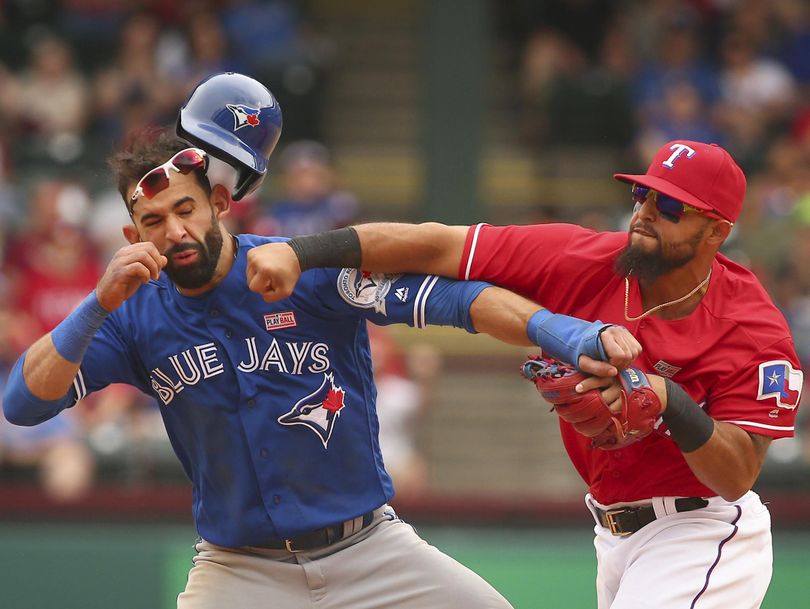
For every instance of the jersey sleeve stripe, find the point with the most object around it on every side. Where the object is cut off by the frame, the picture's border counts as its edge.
(423, 303)
(762, 425)
(425, 299)
(79, 386)
(472, 251)
(417, 300)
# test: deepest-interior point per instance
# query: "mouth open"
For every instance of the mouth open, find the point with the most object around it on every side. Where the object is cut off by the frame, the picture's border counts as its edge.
(185, 257)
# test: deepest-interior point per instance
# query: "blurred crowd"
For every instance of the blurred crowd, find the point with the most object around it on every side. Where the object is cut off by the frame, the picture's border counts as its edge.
(78, 76)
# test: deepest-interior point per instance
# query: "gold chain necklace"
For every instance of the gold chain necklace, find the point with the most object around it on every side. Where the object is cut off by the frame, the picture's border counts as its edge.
(661, 306)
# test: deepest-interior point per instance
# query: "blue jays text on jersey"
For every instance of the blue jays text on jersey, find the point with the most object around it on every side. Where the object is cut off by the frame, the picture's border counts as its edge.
(269, 407)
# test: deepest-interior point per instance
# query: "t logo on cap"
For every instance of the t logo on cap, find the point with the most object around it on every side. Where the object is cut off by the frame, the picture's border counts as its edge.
(710, 180)
(679, 150)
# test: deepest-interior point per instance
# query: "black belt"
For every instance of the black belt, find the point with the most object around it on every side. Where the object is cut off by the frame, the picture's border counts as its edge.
(627, 520)
(320, 537)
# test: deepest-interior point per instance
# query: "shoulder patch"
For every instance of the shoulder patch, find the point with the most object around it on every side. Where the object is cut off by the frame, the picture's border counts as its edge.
(778, 379)
(365, 290)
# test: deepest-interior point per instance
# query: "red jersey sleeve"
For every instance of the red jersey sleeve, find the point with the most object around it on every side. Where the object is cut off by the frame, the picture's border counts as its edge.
(763, 395)
(539, 260)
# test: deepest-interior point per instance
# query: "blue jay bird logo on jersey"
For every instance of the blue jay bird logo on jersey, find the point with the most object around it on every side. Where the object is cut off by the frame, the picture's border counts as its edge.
(365, 290)
(319, 411)
(779, 380)
(244, 116)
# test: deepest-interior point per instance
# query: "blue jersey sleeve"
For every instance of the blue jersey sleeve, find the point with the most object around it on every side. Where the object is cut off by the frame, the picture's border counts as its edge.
(416, 300)
(110, 359)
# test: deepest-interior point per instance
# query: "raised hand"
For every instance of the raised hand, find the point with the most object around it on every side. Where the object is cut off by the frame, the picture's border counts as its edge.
(130, 267)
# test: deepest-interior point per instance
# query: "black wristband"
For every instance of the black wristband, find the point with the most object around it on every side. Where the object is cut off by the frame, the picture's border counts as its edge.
(687, 422)
(333, 249)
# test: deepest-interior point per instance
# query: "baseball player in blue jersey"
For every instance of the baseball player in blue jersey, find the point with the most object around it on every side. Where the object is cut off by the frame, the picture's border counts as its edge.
(269, 407)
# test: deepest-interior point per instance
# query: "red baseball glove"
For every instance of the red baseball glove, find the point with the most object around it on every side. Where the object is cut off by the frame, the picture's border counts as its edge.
(587, 412)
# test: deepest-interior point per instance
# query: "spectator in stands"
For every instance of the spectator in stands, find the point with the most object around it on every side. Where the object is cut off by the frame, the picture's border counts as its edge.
(794, 40)
(135, 90)
(758, 97)
(48, 102)
(685, 115)
(276, 42)
(679, 60)
(53, 265)
(312, 201)
(544, 57)
(209, 48)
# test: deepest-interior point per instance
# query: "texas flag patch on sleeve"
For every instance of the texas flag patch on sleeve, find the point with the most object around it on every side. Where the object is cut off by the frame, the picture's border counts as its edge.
(778, 379)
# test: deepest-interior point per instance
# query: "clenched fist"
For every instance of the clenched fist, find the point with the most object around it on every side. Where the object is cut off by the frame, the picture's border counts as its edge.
(272, 271)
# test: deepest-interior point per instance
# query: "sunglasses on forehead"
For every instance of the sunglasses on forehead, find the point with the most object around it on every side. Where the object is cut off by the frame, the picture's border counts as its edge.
(157, 179)
(668, 207)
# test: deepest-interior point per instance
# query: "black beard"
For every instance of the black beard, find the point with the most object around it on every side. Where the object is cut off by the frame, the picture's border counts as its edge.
(649, 266)
(196, 275)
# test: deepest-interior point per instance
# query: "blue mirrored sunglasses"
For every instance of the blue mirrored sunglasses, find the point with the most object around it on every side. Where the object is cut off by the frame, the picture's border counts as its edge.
(668, 207)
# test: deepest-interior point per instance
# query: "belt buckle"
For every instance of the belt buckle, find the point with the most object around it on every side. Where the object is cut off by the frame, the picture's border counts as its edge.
(288, 544)
(613, 525)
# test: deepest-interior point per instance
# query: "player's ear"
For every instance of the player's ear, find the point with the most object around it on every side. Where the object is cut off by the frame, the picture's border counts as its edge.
(131, 234)
(719, 232)
(220, 200)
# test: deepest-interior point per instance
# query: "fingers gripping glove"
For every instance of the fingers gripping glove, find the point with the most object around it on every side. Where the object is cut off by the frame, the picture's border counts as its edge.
(587, 412)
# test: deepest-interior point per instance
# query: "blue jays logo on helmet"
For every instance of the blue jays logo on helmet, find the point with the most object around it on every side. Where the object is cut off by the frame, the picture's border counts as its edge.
(236, 119)
(244, 116)
(319, 410)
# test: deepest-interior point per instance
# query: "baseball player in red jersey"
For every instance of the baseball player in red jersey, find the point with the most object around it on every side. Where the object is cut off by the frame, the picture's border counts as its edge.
(677, 524)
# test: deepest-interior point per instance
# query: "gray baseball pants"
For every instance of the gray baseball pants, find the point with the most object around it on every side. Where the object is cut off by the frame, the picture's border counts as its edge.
(384, 566)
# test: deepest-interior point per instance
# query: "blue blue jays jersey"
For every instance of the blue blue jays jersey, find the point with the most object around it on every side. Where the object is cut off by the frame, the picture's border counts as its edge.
(269, 407)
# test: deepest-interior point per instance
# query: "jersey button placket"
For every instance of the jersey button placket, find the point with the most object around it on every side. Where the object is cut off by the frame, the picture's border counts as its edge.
(251, 403)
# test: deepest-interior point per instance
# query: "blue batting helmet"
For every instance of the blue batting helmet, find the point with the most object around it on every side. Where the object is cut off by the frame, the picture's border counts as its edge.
(236, 119)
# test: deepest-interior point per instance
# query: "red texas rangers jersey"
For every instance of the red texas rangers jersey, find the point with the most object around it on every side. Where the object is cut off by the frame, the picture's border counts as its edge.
(733, 354)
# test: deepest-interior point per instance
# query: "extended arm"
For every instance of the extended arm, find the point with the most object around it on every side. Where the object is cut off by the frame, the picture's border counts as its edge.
(429, 248)
(273, 269)
(507, 316)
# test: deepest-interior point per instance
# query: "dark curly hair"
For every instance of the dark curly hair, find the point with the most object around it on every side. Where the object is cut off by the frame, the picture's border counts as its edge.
(143, 152)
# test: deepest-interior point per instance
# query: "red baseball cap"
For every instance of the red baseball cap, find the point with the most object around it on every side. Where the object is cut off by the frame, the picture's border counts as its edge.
(701, 175)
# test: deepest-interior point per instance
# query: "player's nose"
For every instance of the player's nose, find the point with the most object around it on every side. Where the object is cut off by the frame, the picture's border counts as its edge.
(175, 229)
(647, 211)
